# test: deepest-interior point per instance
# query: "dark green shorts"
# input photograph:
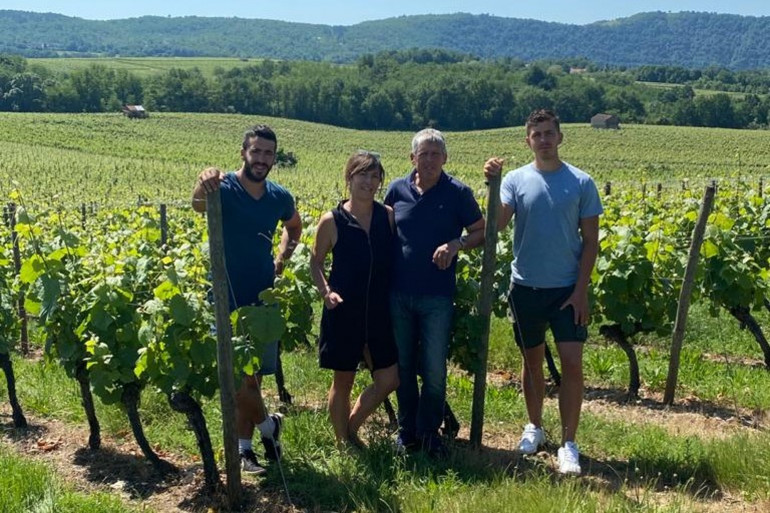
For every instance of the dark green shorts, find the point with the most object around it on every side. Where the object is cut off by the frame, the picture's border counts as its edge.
(534, 310)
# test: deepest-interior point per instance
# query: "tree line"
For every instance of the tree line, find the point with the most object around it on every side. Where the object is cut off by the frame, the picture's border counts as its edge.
(396, 90)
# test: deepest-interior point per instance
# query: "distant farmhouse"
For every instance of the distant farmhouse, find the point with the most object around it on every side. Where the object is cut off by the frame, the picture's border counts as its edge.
(605, 121)
(135, 111)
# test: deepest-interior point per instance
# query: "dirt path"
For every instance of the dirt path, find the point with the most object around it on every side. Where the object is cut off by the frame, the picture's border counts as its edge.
(122, 470)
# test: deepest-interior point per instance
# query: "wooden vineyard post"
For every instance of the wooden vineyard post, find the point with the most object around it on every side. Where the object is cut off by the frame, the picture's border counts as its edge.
(686, 292)
(608, 188)
(224, 347)
(485, 309)
(163, 226)
(22, 312)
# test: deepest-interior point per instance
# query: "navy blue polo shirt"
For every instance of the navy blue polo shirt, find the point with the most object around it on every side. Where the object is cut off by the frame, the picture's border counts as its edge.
(423, 223)
(248, 226)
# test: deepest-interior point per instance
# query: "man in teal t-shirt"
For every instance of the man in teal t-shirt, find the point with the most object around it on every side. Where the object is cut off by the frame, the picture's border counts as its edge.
(555, 209)
(252, 207)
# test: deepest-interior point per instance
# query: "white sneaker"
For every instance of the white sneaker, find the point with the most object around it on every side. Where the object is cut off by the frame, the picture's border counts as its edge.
(569, 459)
(531, 439)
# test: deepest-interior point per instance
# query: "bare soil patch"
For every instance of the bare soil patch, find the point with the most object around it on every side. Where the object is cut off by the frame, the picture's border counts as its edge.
(120, 468)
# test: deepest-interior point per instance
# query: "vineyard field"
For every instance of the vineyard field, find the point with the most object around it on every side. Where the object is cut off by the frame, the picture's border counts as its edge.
(120, 305)
(109, 159)
(142, 66)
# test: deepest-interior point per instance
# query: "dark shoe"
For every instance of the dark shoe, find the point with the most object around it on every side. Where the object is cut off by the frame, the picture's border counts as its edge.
(249, 463)
(451, 426)
(434, 447)
(352, 445)
(272, 444)
(355, 441)
(405, 443)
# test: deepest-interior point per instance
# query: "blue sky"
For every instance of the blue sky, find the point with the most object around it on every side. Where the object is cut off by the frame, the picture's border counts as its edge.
(348, 12)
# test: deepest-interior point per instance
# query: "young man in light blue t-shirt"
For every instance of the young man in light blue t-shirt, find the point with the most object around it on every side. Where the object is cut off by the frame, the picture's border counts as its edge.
(555, 209)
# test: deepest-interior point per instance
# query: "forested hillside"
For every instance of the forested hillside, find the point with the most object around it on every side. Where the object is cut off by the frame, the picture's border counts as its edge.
(685, 39)
(404, 90)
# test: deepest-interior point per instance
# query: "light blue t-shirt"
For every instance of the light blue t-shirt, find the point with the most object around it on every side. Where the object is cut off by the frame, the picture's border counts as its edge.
(547, 209)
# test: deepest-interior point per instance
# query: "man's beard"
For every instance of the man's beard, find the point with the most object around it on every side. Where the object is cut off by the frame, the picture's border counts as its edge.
(252, 177)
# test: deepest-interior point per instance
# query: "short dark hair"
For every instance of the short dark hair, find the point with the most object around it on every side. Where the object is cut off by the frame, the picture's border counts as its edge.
(261, 131)
(362, 161)
(540, 115)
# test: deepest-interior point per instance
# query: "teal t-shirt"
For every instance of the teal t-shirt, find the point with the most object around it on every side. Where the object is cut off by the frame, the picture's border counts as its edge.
(547, 209)
(248, 226)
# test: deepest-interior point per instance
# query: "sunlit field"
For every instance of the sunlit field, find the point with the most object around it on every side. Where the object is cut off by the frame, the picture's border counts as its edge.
(80, 180)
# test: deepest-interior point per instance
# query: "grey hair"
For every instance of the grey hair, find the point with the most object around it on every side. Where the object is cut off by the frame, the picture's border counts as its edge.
(428, 135)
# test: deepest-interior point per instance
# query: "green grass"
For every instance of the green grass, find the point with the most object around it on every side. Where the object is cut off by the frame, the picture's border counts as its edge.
(27, 487)
(698, 91)
(142, 66)
(624, 458)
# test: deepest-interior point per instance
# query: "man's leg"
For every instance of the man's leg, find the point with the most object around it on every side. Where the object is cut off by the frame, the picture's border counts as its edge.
(570, 401)
(533, 382)
(527, 306)
(435, 330)
(405, 335)
(249, 410)
(571, 390)
(249, 406)
(269, 425)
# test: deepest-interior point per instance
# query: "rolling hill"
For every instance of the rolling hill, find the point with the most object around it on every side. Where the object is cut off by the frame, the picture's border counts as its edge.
(688, 39)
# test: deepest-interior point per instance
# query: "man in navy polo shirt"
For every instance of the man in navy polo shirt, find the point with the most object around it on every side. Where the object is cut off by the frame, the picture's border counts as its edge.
(432, 208)
(252, 206)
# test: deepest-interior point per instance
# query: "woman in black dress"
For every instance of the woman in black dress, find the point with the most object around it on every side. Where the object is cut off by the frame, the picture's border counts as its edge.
(355, 323)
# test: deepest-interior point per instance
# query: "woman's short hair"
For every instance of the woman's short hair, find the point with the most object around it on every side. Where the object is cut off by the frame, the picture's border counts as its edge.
(362, 161)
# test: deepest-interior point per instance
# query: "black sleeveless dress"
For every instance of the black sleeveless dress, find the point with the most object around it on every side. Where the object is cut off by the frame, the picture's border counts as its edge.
(361, 275)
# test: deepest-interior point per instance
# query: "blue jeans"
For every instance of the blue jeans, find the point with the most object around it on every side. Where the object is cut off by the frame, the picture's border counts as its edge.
(421, 326)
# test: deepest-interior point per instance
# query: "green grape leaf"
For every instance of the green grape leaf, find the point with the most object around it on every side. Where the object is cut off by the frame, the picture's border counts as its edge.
(181, 311)
(259, 323)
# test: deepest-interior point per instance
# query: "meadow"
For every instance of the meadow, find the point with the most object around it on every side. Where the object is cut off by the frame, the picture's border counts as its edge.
(708, 452)
(143, 66)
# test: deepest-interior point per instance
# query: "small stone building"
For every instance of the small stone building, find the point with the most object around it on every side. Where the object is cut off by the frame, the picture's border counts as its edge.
(135, 111)
(605, 121)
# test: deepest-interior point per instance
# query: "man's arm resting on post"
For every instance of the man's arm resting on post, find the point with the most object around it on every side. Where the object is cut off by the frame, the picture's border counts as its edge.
(208, 181)
(494, 167)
